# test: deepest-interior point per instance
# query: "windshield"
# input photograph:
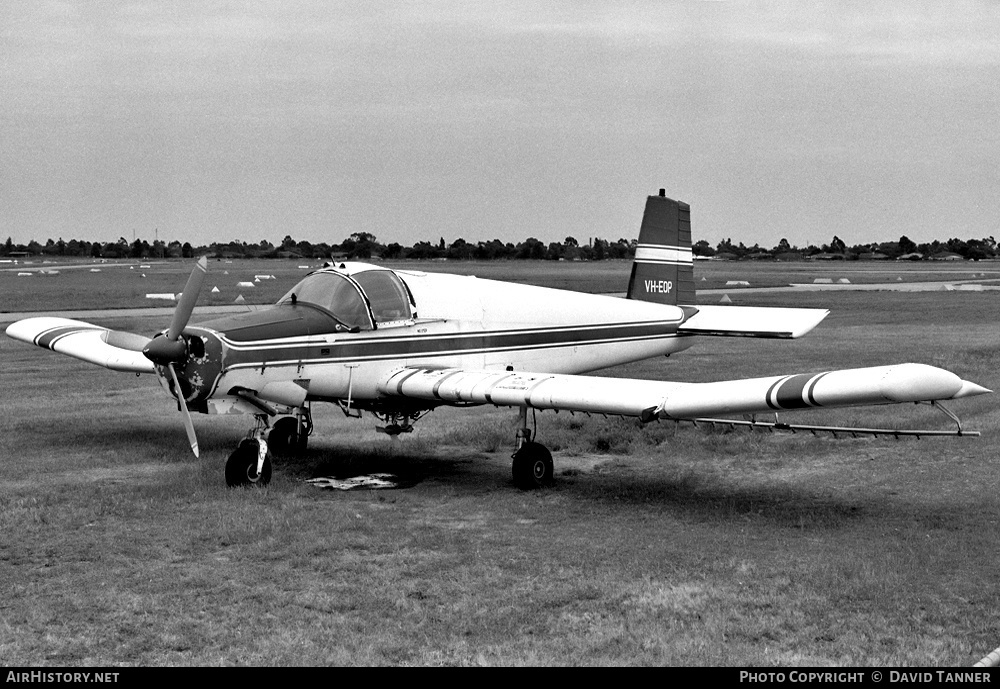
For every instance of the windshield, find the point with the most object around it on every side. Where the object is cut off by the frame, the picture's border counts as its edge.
(334, 293)
(386, 293)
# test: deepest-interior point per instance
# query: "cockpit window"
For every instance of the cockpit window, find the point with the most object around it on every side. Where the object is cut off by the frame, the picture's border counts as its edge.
(333, 293)
(386, 293)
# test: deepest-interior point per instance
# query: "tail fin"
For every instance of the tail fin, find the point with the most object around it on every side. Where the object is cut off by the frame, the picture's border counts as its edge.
(663, 271)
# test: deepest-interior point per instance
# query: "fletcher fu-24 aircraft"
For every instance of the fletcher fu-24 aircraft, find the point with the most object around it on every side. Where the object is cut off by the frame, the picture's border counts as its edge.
(399, 343)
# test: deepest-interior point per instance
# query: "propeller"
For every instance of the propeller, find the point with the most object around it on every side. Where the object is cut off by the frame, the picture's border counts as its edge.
(188, 423)
(171, 349)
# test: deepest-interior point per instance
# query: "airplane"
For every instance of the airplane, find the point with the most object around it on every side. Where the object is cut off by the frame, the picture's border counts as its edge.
(400, 343)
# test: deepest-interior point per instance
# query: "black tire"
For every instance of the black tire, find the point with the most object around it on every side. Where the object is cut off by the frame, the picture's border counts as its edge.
(284, 440)
(532, 467)
(241, 468)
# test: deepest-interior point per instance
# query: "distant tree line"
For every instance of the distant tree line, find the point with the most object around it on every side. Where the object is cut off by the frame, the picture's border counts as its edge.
(837, 249)
(362, 245)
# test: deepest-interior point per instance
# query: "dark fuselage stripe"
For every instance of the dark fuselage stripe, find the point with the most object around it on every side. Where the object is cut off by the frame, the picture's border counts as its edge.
(398, 348)
(568, 332)
(264, 358)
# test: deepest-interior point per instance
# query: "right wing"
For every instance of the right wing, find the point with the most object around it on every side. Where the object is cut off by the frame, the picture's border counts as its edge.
(113, 349)
(649, 400)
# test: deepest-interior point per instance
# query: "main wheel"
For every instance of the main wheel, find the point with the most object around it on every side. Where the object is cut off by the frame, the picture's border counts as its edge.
(241, 468)
(532, 466)
(284, 439)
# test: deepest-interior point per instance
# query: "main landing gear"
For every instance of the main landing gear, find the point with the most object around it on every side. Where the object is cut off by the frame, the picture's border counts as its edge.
(250, 464)
(532, 465)
(290, 434)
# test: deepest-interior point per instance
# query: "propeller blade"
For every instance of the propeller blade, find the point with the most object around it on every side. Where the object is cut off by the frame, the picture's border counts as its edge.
(188, 299)
(188, 423)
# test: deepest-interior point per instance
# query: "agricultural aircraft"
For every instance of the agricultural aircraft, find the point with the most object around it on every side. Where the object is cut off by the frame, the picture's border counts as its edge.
(399, 343)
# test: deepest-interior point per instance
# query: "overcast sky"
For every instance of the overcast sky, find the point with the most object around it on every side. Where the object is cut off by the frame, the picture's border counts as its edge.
(414, 121)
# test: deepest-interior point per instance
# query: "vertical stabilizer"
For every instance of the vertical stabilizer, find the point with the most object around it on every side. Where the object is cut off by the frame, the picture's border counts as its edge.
(663, 271)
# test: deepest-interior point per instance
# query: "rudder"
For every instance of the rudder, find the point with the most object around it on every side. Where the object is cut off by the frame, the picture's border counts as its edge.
(663, 270)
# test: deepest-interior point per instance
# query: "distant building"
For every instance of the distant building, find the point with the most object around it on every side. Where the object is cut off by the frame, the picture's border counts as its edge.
(825, 257)
(789, 256)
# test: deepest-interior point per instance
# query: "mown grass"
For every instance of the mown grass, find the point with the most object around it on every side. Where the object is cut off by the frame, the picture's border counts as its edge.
(662, 544)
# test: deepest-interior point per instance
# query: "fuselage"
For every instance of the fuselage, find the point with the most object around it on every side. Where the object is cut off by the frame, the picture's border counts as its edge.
(336, 348)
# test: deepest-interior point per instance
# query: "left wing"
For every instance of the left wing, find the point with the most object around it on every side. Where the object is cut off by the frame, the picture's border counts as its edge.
(649, 400)
(113, 349)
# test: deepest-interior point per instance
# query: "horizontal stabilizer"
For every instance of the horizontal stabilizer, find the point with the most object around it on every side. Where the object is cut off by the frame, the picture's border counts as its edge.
(649, 400)
(752, 321)
(113, 349)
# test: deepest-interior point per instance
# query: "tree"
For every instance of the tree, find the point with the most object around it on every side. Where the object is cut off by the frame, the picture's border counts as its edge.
(702, 248)
(531, 248)
(600, 249)
(360, 237)
(423, 250)
(459, 250)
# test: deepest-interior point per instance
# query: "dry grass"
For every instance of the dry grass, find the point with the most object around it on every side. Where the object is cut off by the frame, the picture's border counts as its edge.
(661, 545)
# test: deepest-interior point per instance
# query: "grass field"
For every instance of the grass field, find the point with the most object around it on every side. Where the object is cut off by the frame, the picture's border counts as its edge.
(659, 545)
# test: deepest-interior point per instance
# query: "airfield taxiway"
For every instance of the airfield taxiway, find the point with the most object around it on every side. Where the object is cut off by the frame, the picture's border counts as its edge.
(166, 311)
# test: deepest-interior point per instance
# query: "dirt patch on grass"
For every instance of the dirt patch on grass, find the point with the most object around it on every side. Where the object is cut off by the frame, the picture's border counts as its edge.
(134, 473)
(574, 465)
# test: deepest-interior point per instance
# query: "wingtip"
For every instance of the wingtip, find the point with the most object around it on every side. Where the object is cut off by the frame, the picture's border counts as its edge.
(971, 390)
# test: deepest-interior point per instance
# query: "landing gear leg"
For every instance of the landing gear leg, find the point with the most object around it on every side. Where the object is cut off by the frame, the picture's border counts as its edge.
(250, 464)
(532, 466)
(290, 434)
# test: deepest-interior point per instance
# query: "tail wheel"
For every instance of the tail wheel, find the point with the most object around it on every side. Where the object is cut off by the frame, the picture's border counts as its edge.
(241, 468)
(532, 466)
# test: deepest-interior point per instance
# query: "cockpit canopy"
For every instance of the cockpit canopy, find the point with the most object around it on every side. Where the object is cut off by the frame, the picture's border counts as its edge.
(363, 300)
